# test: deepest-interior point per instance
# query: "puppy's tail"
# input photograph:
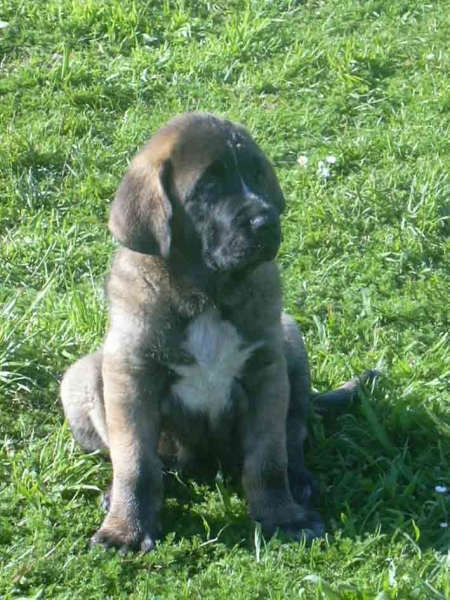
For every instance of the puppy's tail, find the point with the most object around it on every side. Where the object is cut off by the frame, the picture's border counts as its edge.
(335, 401)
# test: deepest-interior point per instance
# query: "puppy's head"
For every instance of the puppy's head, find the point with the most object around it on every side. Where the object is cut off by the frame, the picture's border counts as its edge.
(201, 188)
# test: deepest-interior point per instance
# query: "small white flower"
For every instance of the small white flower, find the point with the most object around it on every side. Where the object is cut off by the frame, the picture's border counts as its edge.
(441, 489)
(4, 24)
(430, 56)
(322, 170)
(444, 525)
(331, 160)
(303, 161)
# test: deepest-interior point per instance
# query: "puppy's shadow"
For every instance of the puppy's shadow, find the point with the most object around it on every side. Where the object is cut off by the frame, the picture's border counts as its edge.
(380, 464)
(382, 468)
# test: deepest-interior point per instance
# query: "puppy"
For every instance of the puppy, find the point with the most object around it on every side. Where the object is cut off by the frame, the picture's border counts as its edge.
(198, 350)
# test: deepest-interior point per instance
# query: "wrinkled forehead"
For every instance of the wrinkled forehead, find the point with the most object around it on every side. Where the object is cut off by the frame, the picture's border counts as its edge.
(192, 143)
(200, 142)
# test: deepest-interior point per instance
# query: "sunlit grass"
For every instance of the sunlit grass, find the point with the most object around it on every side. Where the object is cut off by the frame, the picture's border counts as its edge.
(365, 262)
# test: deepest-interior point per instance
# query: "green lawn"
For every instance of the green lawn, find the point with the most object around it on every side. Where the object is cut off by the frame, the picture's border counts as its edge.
(365, 261)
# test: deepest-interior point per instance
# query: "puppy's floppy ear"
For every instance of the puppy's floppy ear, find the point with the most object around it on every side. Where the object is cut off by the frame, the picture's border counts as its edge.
(140, 215)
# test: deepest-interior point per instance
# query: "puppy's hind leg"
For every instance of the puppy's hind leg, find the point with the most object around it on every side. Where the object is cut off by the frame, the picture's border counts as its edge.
(82, 400)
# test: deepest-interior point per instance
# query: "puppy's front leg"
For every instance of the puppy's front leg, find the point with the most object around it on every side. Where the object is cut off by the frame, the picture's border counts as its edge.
(131, 391)
(265, 477)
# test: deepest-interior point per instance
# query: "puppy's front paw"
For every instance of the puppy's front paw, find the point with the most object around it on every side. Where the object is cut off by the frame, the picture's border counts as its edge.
(297, 524)
(309, 527)
(125, 538)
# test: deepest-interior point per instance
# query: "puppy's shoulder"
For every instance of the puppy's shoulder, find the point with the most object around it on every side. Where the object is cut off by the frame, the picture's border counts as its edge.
(140, 315)
(137, 280)
(257, 305)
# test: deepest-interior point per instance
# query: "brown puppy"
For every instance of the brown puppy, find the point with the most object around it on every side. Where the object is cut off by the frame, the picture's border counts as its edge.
(198, 349)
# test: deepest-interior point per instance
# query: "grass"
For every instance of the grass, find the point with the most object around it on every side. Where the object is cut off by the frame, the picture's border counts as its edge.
(365, 261)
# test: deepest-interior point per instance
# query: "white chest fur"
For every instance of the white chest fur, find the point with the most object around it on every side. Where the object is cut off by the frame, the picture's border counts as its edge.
(220, 355)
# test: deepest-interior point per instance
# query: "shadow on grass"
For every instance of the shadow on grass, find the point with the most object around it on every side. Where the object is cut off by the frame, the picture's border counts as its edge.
(382, 468)
(379, 465)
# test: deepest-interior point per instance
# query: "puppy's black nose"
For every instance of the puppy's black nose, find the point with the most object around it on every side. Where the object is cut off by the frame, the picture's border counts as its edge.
(264, 222)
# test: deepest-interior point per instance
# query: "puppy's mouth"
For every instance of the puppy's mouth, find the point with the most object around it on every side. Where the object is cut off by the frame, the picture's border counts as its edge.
(242, 238)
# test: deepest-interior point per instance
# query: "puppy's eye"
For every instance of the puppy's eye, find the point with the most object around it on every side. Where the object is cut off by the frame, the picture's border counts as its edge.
(259, 176)
(215, 175)
(258, 172)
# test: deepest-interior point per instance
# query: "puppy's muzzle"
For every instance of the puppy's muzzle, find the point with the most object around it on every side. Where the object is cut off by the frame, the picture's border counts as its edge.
(244, 235)
(266, 225)
(267, 231)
